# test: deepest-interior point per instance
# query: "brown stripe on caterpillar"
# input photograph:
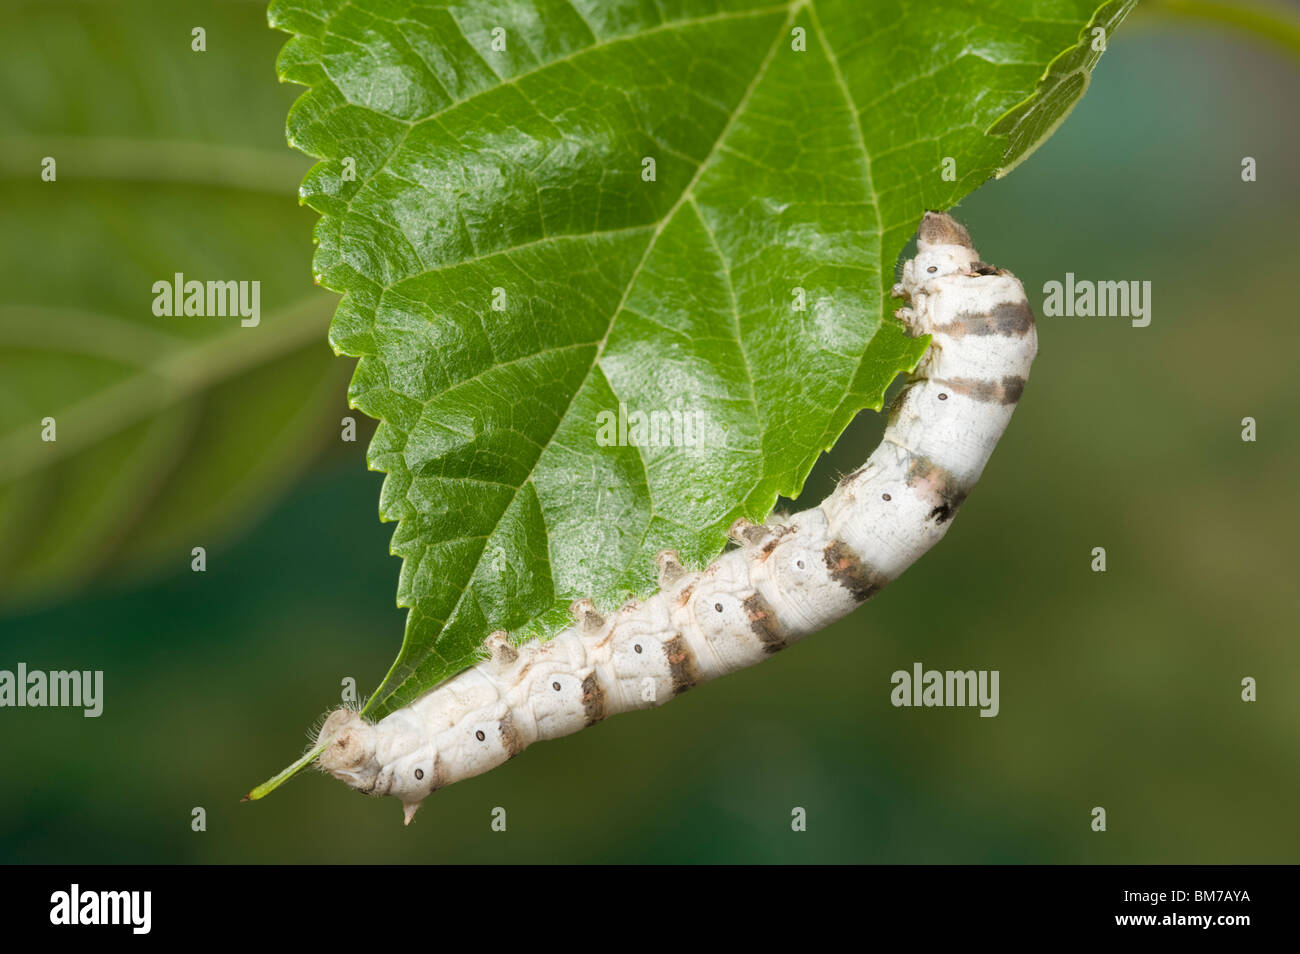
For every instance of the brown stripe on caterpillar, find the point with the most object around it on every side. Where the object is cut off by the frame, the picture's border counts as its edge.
(438, 774)
(764, 624)
(510, 738)
(681, 664)
(1006, 391)
(593, 699)
(848, 570)
(1008, 318)
(947, 490)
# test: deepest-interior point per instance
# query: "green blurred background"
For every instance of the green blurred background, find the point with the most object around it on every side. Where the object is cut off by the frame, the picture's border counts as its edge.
(1119, 689)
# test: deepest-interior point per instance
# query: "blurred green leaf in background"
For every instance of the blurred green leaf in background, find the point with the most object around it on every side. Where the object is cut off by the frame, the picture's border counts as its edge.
(171, 432)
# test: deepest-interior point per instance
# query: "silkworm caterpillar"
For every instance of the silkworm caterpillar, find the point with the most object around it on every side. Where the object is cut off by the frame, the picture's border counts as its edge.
(781, 583)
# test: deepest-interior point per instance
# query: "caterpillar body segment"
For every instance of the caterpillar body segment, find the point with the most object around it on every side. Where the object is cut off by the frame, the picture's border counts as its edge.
(781, 583)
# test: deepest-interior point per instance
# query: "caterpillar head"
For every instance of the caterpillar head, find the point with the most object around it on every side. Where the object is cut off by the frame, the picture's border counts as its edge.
(350, 753)
(386, 759)
(943, 248)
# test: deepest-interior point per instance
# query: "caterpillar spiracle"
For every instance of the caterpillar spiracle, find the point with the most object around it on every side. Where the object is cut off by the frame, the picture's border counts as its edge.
(781, 583)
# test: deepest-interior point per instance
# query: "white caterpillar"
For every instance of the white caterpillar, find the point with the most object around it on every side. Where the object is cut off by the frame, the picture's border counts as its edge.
(782, 582)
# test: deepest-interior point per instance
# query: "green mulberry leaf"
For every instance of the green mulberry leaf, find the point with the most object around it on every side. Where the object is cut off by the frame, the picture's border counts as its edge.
(617, 272)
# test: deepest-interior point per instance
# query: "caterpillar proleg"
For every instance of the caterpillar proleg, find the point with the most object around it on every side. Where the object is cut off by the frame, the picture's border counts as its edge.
(781, 583)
